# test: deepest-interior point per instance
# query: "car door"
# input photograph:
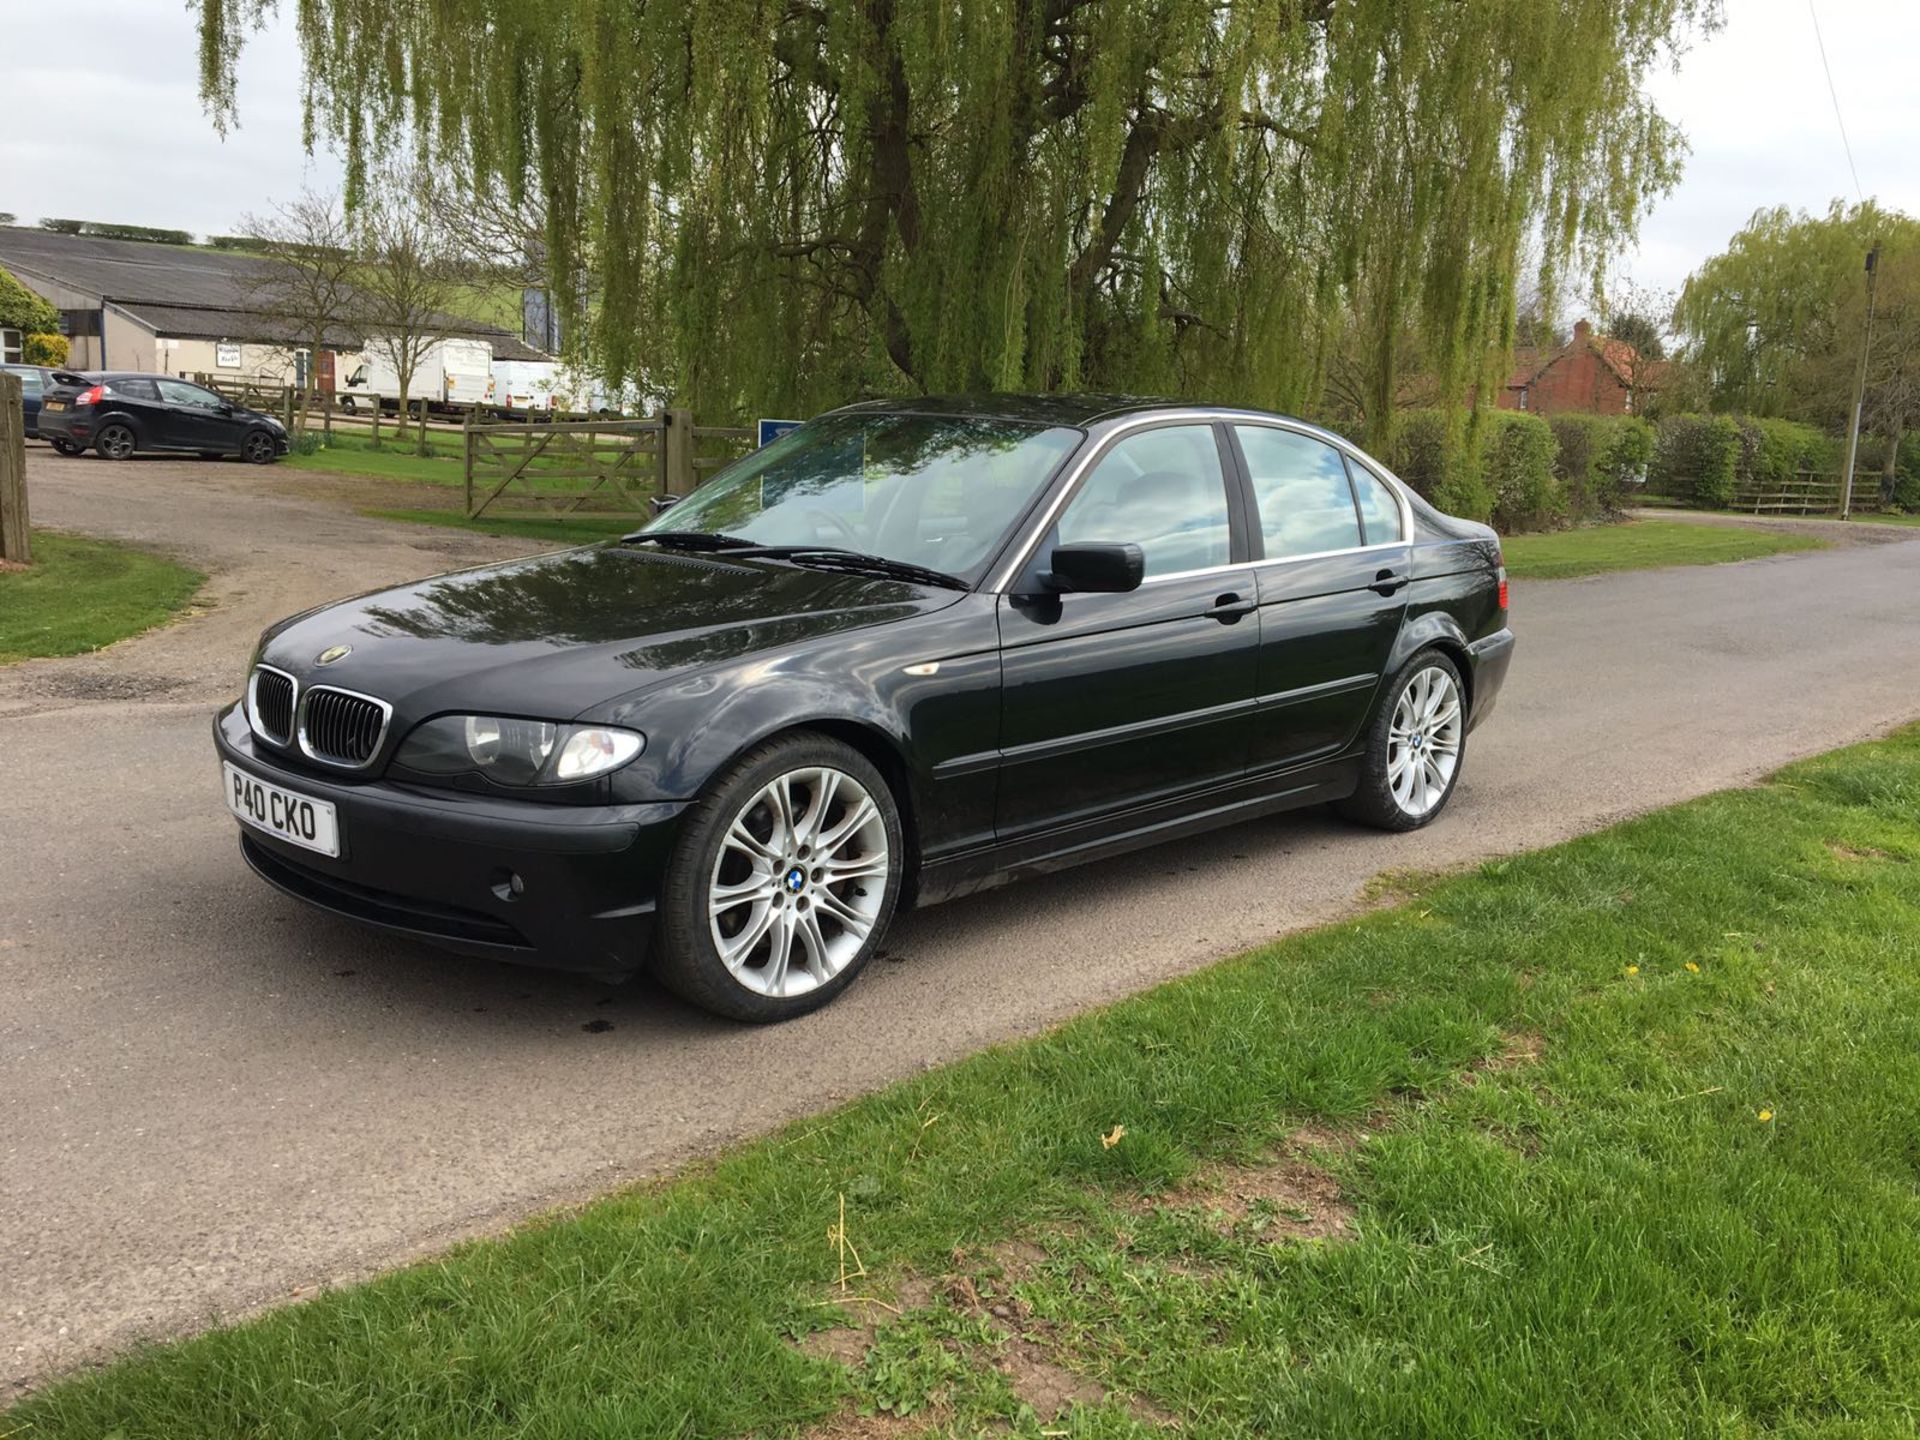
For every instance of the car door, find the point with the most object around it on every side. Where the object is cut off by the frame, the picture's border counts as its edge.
(134, 398)
(1331, 574)
(1112, 701)
(198, 419)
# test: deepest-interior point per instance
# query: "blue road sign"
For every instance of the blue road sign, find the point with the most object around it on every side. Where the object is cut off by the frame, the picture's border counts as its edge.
(772, 430)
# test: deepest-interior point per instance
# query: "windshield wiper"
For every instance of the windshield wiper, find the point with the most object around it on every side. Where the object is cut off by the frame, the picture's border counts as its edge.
(829, 557)
(688, 540)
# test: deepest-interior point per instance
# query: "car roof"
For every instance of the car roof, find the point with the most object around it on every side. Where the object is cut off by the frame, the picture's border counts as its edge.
(1069, 409)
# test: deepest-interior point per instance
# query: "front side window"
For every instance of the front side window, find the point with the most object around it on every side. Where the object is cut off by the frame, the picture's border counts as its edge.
(933, 490)
(178, 392)
(1163, 490)
(1300, 490)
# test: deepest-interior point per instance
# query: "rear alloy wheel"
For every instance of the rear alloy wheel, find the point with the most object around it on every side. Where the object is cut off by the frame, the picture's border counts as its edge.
(783, 881)
(258, 448)
(114, 442)
(1414, 748)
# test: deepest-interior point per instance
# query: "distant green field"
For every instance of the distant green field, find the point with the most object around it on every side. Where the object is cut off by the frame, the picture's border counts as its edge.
(566, 532)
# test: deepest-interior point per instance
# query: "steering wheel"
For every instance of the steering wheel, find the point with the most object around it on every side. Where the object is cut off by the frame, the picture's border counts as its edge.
(839, 522)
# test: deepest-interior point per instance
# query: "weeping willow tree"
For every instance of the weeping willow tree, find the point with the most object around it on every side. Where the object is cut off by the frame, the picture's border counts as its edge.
(785, 203)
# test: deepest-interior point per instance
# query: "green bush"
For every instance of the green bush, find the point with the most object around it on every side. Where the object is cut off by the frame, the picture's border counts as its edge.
(1785, 447)
(1430, 453)
(21, 309)
(1697, 458)
(1516, 454)
(1601, 459)
(44, 350)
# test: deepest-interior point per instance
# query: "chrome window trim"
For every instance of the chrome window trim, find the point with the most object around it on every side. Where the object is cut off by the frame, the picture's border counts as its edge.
(379, 741)
(1023, 548)
(253, 705)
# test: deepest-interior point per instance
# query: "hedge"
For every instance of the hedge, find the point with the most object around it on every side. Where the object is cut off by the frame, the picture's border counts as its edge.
(21, 309)
(1696, 458)
(1601, 458)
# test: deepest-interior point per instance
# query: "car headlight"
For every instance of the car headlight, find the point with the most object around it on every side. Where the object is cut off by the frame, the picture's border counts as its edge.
(517, 752)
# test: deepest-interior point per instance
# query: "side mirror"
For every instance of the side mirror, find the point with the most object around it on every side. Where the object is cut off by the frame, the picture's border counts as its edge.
(1097, 566)
(224, 411)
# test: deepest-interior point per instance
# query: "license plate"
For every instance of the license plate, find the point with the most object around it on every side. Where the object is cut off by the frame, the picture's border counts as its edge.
(297, 819)
(53, 405)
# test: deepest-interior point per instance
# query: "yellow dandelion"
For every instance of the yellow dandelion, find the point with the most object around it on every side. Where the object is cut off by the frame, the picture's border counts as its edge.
(1633, 969)
(1693, 967)
(1765, 1116)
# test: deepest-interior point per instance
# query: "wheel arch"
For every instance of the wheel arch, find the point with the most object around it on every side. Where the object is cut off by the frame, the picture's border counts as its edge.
(1435, 630)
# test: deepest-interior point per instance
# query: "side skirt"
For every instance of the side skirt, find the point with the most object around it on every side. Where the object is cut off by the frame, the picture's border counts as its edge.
(984, 869)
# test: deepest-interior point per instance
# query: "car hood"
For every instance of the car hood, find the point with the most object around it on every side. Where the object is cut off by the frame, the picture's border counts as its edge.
(553, 635)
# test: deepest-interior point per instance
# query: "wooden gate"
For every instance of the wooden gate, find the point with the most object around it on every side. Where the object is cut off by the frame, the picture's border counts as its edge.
(607, 469)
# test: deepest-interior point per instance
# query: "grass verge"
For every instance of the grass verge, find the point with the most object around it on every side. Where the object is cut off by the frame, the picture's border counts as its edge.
(581, 531)
(1615, 1138)
(393, 461)
(80, 594)
(1640, 545)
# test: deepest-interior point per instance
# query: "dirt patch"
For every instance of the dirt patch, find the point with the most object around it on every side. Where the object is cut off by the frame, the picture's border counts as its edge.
(1842, 851)
(1040, 1383)
(1519, 1049)
(1289, 1199)
(850, 1426)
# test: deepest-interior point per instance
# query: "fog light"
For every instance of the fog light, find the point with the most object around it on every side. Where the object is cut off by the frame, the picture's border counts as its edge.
(508, 886)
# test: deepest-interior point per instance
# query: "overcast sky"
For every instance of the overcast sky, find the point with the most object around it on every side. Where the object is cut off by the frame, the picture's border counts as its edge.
(113, 130)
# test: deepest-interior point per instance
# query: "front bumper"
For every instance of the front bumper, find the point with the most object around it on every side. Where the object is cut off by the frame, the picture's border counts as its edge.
(438, 866)
(1490, 655)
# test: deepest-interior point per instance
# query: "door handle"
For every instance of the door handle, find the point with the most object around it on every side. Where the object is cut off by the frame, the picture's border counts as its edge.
(1387, 581)
(1229, 608)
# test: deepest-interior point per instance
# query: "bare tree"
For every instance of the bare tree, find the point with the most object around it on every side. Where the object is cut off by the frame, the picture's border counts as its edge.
(306, 280)
(413, 274)
(1641, 317)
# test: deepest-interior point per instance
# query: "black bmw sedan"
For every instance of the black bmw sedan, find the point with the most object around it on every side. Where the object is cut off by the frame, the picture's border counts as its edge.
(908, 651)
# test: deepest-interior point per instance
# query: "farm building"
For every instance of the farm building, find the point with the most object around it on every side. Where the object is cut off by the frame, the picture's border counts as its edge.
(183, 310)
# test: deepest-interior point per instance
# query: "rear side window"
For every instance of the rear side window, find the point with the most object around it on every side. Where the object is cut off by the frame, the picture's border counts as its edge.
(1163, 490)
(1379, 507)
(134, 389)
(1300, 489)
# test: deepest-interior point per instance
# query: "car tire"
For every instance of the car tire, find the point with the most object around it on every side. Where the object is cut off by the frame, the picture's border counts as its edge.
(114, 442)
(64, 447)
(1416, 747)
(258, 448)
(766, 915)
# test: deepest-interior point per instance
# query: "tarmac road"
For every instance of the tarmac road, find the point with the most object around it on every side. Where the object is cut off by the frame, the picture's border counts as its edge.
(212, 1098)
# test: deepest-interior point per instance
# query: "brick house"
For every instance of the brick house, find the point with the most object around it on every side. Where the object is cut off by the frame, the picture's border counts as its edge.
(1591, 375)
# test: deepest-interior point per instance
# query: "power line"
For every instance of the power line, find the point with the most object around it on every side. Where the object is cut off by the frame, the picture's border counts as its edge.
(1845, 143)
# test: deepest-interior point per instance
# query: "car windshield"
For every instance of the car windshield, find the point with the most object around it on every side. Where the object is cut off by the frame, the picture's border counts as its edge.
(937, 491)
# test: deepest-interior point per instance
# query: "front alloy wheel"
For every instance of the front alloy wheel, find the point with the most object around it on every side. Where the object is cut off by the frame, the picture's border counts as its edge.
(258, 449)
(784, 878)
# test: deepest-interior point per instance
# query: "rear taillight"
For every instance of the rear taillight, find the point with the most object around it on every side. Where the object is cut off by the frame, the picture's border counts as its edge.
(1503, 587)
(89, 396)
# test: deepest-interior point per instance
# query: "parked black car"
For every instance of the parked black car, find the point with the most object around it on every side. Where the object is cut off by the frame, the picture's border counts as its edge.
(34, 380)
(118, 414)
(908, 651)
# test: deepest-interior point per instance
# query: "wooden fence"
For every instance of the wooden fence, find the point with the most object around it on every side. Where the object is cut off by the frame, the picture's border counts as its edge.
(1807, 493)
(551, 468)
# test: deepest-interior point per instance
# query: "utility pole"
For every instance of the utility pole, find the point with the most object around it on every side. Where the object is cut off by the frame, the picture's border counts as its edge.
(1859, 387)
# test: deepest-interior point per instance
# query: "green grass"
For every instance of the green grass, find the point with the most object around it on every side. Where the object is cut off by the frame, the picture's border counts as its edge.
(581, 531)
(393, 461)
(81, 594)
(1695, 1213)
(1640, 545)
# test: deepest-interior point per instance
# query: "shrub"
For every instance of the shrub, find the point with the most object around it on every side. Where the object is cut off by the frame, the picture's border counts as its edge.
(44, 350)
(21, 309)
(1516, 454)
(1600, 460)
(1784, 448)
(1430, 453)
(1697, 458)
(306, 442)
